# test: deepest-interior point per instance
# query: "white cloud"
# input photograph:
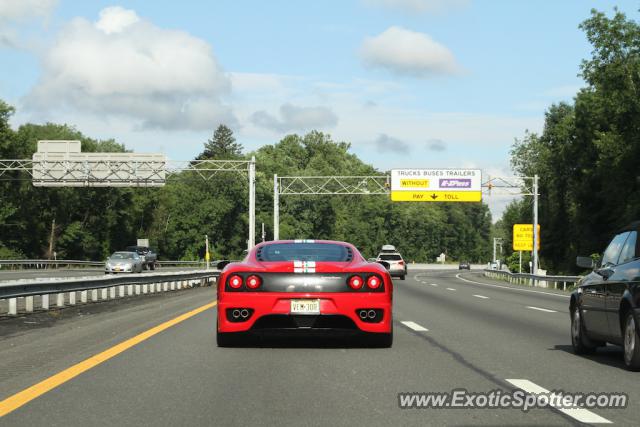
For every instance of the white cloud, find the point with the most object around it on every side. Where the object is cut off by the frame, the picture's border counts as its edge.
(436, 145)
(293, 117)
(419, 6)
(407, 52)
(115, 19)
(15, 10)
(388, 144)
(128, 67)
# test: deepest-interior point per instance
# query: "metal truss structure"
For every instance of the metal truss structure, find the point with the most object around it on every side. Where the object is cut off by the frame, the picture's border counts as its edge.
(326, 186)
(333, 185)
(107, 171)
(509, 185)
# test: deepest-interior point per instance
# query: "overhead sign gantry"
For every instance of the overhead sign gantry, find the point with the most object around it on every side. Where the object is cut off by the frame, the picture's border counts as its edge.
(436, 185)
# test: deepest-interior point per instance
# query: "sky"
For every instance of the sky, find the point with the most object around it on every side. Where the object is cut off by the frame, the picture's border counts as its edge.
(409, 83)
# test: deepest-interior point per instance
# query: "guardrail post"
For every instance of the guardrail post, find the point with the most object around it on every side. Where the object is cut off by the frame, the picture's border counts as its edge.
(173, 286)
(152, 288)
(83, 297)
(112, 292)
(13, 306)
(129, 290)
(121, 291)
(60, 300)
(45, 302)
(28, 304)
(72, 298)
(94, 295)
(103, 294)
(145, 288)
(165, 286)
(137, 289)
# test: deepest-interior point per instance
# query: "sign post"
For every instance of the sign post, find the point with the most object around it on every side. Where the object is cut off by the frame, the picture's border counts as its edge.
(436, 185)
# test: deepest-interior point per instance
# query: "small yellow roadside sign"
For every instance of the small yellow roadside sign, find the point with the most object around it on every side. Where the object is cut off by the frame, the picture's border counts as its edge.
(523, 237)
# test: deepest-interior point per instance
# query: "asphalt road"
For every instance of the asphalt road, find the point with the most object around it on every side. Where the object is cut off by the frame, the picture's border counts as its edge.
(462, 335)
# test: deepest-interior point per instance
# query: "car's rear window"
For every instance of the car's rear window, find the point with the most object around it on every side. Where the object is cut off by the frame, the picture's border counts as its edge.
(329, 252)
(390, 257)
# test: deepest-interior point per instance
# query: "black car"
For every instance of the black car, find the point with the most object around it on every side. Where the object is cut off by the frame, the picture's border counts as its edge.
(605, 307)
(464, 265)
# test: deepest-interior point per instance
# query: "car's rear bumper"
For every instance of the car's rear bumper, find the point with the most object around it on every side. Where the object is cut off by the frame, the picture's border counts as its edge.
(397, 271)
(272, 312)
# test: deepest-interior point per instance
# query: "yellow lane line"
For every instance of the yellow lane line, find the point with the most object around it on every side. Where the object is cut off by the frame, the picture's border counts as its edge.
(25, 396)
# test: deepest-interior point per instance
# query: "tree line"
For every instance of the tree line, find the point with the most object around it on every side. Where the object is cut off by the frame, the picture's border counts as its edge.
(90, 223)
(588, 152)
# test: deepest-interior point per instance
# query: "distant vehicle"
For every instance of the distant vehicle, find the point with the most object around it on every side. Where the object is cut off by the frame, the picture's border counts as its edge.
(605, 307)
(149, 258)
(123, 262)
(304, 286)
(397, 266)
(464, 265)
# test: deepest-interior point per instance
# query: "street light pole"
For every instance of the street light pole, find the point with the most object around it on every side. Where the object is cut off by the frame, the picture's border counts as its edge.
(536, 238)
(276, 208)
(252, 203)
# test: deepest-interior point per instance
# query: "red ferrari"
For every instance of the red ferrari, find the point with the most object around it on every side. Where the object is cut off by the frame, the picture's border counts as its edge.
(305, 286)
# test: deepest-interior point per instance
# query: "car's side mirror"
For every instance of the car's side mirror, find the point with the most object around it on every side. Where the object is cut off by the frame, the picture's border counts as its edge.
(385, 264)
(585, 262)
(605, 272)
(222, 264)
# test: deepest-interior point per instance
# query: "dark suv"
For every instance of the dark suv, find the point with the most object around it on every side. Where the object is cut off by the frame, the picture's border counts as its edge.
(149, 258)
(605, 306)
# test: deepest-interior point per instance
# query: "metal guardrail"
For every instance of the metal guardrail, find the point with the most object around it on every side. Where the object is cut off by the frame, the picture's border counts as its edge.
(45, 263)
(61, 263)
(558, 282)
(126, 285)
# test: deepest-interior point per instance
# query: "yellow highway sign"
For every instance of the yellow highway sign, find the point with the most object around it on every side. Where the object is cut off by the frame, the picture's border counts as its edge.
(436, 196)
(523, 237)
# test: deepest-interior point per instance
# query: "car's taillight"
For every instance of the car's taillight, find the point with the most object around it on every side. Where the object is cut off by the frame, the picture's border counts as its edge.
(235, 281)
(356, 282)
(253, 282)
(374, 282)
(401, 262)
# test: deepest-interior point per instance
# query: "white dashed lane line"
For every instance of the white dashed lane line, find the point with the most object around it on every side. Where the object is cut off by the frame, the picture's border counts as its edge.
(414, 326)
(434, 284)
(580, 414)
(511, 288)
(450, 289)
(481, 296)
(546, 310)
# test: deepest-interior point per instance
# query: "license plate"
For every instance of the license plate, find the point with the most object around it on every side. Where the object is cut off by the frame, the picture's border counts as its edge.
(305, 306)
(117, 269)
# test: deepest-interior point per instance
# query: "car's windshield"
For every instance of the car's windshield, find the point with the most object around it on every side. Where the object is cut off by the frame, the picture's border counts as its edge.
(390, 257)
(122, 255)
(329, 252)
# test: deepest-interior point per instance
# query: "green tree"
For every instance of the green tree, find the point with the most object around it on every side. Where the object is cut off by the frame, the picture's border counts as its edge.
(222, 145)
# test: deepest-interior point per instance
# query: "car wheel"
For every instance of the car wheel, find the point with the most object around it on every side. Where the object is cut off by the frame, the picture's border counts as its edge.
(153, 266)
(631, 344)
(581, 343)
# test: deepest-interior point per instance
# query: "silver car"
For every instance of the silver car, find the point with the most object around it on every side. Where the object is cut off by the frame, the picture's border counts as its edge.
(397, 266)
(123, 262)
